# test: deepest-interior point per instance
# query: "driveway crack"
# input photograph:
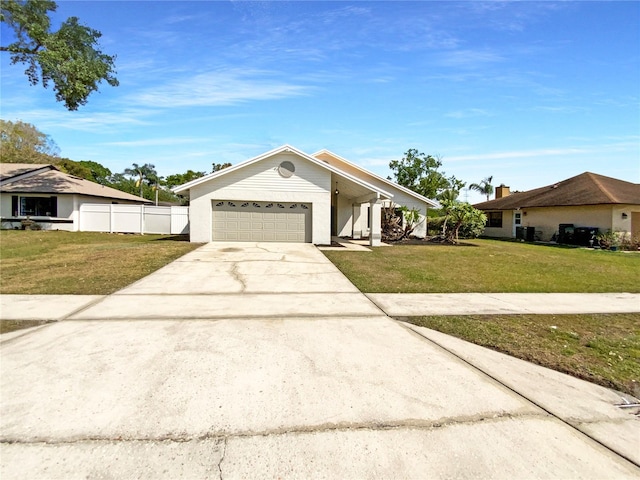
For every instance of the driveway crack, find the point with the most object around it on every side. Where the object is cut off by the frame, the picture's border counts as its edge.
(237, 276)
(224, 451)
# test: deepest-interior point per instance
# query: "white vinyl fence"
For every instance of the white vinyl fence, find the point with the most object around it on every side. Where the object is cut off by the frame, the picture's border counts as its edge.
(118, 218)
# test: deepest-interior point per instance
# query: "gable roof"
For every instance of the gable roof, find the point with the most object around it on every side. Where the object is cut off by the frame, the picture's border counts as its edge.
(47, 179)
(322, 154)
(584, 189)
(9, 170)
(282, 149)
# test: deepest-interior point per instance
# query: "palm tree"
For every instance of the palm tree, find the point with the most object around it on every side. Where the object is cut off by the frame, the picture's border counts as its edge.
(133, 172)
(483, 187)
(146, 171)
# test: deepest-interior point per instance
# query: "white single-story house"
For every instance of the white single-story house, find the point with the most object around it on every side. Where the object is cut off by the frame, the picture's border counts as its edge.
(50, 197)
(286, 195)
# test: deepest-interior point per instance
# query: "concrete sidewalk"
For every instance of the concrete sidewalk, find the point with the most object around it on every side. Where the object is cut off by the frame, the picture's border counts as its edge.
(246, 360)
(162, 300)
(422, 304)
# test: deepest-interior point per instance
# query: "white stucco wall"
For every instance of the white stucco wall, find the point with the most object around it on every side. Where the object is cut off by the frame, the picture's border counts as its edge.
(68, 209)
(261, 181)
(400, 198)
(624, 224)
(507, 226)
(546, 220)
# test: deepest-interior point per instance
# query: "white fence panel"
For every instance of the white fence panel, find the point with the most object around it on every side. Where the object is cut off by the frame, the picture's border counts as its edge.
(157, 219)
(179, 220)
(95, 217)
(122, 218)
(127, 218)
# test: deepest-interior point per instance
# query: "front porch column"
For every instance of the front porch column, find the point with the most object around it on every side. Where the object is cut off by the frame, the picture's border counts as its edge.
(375, 223)
(357, 222)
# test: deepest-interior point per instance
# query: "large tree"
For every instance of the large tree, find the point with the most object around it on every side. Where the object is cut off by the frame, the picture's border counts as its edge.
(70, 57)
(216, 167)
(99, 173)
(182, 178)
(420, 173)
(22, 142)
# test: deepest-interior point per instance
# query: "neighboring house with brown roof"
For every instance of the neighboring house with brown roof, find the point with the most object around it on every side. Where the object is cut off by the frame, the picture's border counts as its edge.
(50, 197)
(586, 200)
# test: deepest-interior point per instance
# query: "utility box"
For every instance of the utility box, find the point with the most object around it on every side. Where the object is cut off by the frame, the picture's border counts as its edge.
(530, 234)
(583, 235)
(565, 233)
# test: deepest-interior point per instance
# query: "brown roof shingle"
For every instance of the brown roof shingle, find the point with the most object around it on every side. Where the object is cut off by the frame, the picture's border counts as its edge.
(53, 181)
(584, 189)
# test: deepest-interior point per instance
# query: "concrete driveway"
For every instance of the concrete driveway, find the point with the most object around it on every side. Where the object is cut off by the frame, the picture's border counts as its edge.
(262, 360)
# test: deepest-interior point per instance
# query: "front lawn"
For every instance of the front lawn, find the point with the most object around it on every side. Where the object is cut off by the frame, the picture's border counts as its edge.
(488, 266)
(603, 349)
(56, 262)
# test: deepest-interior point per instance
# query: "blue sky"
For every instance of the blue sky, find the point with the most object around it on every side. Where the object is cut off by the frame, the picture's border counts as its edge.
(528, 92)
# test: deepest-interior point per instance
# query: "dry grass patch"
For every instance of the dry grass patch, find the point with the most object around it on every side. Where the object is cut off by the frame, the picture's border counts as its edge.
(601, 348)
(7, 326)
(54, 262)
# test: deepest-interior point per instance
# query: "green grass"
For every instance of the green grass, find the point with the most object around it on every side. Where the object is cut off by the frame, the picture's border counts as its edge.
(55, 262)
(601, 348)
(488, 266)
(7, 326)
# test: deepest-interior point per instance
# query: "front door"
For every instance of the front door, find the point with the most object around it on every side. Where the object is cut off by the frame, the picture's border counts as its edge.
(517, 222)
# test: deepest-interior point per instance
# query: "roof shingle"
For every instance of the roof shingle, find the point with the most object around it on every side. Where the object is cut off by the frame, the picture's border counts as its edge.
(53, 181)
(584, 189)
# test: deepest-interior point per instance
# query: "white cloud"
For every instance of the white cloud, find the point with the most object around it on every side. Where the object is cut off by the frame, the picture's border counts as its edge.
(548, 152)
(468, 113)
(154, 142)
(216, 88)
(468, 58)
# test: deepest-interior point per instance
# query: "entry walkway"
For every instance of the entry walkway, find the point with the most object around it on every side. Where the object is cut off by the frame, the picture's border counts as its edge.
(246, 360)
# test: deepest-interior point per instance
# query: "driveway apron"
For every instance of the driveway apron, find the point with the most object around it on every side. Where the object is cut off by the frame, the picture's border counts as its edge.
(244, 360)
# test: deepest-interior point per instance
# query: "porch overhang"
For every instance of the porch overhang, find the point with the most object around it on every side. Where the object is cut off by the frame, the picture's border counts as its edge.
(356, 190)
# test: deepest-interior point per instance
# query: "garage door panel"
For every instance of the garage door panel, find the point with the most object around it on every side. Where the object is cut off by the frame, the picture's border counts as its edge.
(266, 222)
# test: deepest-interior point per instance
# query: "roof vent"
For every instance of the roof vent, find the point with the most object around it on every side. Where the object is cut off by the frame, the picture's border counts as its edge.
(286, 169)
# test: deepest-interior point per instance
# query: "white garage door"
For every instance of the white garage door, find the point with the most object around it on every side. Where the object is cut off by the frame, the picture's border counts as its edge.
(240, 221)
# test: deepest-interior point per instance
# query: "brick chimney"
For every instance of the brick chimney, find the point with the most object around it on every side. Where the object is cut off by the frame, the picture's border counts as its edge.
(502, 191)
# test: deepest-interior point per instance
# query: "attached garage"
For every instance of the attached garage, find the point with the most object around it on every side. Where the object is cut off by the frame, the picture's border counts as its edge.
(246, 221)
(286, 195)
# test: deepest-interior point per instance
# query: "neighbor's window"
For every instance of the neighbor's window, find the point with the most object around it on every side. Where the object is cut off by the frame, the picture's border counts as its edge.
(494, 219)
(35, 206)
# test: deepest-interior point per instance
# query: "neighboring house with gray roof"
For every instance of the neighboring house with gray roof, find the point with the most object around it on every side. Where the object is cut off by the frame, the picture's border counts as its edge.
(50, 197)
(586, 200)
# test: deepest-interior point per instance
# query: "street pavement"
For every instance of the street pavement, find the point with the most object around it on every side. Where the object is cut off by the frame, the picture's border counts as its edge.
(263, 360)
